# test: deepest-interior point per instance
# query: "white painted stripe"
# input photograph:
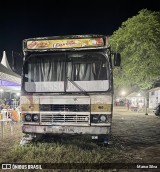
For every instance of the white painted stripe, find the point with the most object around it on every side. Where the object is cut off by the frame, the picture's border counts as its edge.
(108, 113)
(101, 99)
(64, 100)
(101, 124)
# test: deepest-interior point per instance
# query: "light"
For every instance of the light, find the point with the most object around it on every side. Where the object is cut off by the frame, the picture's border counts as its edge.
(1, 90)
(95, 137)
(28, 117)
(139, 94)
(123, 93)
(35, 117)
(95, 118)
(18, 94)
(103, 118)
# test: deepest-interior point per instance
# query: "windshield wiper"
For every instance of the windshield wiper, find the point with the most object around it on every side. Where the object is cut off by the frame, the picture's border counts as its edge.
(77, 86)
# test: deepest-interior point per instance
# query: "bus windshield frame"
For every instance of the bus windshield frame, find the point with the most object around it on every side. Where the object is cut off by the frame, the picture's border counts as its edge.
(83, 68)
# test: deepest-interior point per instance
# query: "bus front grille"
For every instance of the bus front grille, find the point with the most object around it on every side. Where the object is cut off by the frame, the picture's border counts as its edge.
(65, 118)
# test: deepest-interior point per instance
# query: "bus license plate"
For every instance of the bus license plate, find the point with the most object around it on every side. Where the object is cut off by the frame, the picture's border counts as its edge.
(66, 130)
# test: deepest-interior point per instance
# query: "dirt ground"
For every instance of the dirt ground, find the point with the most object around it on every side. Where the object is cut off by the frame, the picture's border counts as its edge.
(139, 134)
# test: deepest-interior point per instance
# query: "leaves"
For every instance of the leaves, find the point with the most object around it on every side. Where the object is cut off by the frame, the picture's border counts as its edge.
(138, 41)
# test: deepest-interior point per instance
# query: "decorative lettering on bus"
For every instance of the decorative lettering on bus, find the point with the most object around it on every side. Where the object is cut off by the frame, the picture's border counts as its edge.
(65, 43)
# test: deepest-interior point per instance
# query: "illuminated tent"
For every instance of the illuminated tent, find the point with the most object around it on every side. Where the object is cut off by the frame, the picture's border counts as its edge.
(9, 80)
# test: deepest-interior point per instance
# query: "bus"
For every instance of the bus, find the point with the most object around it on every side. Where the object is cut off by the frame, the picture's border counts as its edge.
(67, 86)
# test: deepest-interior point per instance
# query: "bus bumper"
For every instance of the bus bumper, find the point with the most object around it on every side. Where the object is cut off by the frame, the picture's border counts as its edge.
(93, 130)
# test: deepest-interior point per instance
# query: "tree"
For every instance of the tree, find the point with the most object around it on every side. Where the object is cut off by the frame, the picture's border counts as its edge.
(138, 41)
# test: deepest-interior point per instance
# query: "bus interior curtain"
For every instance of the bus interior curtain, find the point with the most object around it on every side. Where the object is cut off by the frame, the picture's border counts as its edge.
(80, 71)
(48, 71)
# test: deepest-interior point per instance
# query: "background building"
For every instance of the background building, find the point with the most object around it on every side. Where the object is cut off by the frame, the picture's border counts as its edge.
(154, 97)
(10, 82)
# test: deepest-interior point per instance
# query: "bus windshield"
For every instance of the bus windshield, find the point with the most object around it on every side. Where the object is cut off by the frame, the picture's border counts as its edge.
(55, 68)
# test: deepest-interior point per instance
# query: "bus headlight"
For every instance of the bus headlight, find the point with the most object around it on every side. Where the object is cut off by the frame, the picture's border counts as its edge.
(100, 118)
(103, 118)
(35, 117)
(28, 117)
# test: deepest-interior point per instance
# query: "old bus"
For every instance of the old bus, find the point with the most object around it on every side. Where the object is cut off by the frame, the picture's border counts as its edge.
(67, 86)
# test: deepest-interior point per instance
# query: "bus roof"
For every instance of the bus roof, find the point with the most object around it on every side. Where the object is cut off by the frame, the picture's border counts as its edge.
(65, 42)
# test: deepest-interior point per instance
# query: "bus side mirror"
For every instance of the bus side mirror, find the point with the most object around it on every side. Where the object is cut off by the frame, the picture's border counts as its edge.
(117, 59)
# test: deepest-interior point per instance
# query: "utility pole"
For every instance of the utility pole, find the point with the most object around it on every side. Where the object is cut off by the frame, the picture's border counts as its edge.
(146, 102)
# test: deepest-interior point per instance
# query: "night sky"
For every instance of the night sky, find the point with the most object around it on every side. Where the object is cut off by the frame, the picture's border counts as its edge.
(24, 21)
